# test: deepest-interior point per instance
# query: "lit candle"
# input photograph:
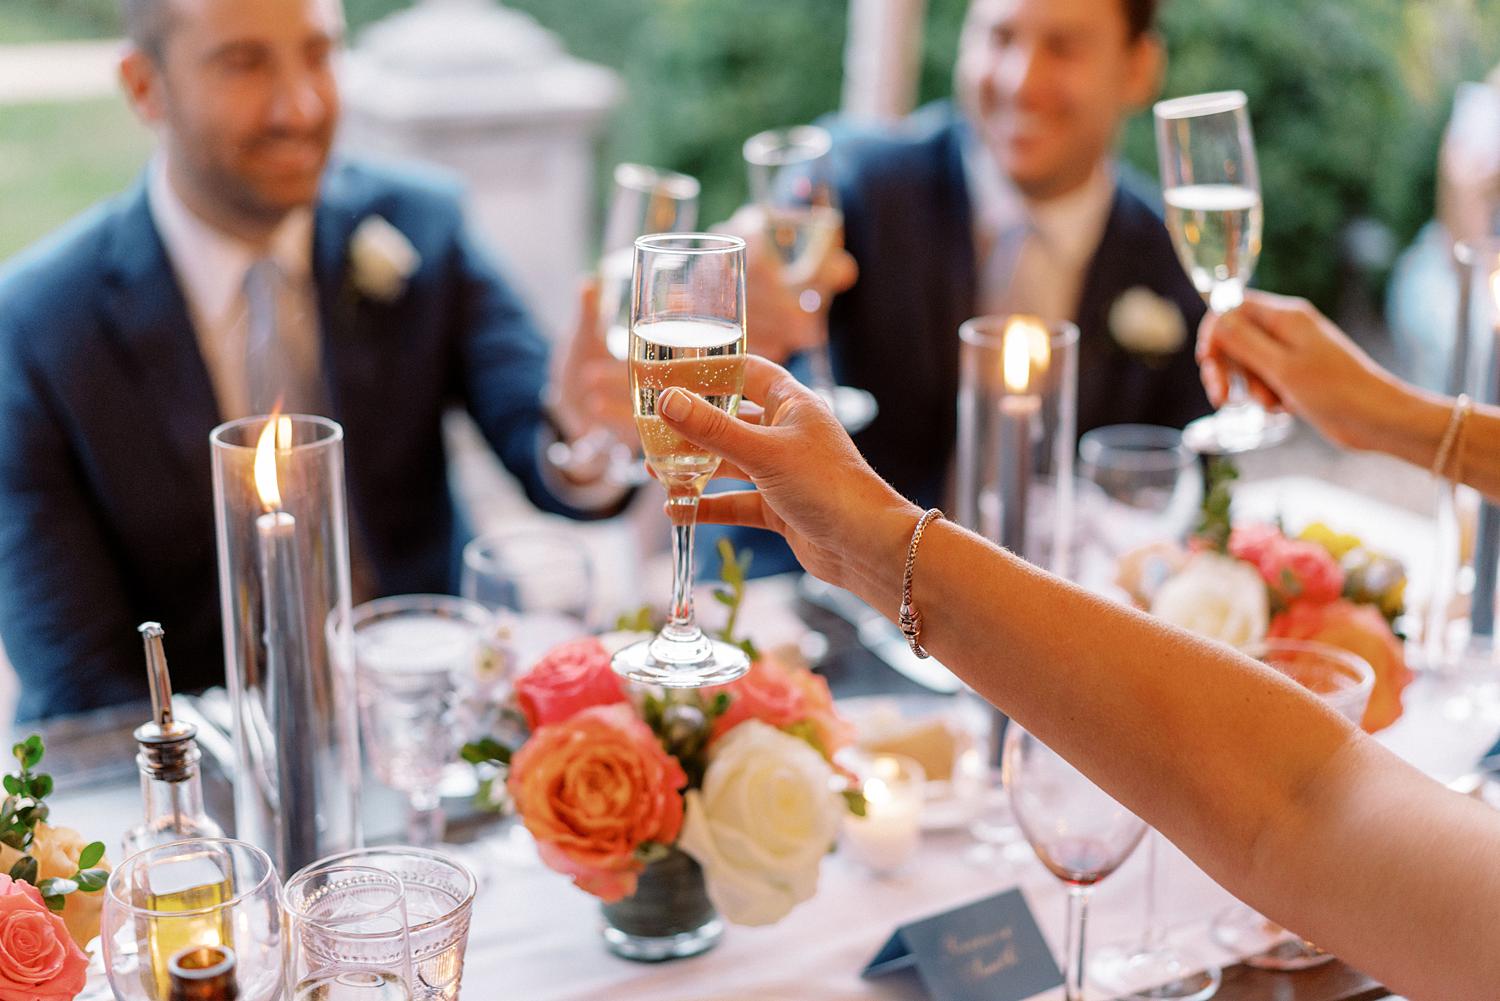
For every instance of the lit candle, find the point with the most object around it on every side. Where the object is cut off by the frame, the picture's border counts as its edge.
(287, 676)
(1025, 355)
(887, 836)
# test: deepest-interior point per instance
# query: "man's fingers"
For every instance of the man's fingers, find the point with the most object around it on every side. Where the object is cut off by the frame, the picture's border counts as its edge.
(735, 507)
(1215, 382)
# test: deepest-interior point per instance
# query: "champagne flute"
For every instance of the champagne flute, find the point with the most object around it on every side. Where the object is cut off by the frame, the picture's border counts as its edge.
(1149, 489)
(1080, 834)
(687, 329)
(163, 902)
(1211, 187)
(791, 178)
(645, 200)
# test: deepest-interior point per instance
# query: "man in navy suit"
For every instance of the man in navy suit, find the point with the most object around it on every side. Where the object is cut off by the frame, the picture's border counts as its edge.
(245, 268)
(1010, 203)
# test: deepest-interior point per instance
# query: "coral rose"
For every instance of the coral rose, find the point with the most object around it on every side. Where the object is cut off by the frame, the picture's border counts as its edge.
(39, 960)
(591, 790)
(56, 850)
(788, 698)
(1363, 631)
(1295, 571)
(570, 678)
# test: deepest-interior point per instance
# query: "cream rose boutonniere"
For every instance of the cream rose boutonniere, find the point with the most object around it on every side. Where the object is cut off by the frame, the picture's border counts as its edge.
(381, 260)
(1145, 323)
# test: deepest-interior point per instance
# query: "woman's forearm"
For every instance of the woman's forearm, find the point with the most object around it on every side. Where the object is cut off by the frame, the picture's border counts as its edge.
(1410, 424)
(1232, 763)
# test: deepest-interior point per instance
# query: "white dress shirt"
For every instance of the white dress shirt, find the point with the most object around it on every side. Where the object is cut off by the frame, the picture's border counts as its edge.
(211, 266)
(1032, 255)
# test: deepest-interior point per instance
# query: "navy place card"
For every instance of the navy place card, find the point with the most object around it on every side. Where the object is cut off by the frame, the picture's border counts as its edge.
(990, 950)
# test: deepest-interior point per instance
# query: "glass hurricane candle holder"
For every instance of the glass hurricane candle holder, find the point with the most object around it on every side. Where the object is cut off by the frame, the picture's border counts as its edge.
(283, 574)
(886, 838)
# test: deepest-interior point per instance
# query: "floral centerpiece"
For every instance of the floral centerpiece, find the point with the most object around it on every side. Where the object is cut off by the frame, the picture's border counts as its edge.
(733, 785)
(1244, 583)
(49, 889)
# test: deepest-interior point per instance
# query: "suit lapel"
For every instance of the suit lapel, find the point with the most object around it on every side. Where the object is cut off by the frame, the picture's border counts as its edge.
(151, 324)
(333, 224)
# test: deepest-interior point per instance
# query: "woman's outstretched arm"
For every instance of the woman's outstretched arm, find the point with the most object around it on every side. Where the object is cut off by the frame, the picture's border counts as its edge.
(1281, 800)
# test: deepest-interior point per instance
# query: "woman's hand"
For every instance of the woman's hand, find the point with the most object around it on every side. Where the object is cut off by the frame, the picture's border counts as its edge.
(1295, 357)
(845, 523)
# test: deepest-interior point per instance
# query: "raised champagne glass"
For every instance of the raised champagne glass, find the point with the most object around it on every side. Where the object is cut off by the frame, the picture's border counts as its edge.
(791, 179)
(687, 329)
(1211, 187)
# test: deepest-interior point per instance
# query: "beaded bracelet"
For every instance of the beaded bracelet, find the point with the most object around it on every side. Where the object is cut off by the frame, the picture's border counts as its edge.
(911, 619)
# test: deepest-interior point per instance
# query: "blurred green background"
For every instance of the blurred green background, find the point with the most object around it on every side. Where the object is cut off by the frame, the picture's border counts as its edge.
(1348, 98)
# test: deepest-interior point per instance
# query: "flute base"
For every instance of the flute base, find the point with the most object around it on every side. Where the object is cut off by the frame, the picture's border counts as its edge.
(1264, 944)
(1236, 428)
(1153, 975)
(695, 662)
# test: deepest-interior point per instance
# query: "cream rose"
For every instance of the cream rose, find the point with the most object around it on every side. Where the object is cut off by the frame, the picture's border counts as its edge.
(762, 822)
(1218, 597)
(382, 259)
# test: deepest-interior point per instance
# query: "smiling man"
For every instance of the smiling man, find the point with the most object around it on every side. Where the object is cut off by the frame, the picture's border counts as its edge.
(1011, 202)
(248, 268)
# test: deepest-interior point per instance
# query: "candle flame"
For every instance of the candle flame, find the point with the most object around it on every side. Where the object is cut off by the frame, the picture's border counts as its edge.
(1025, 348)
(876, 792)
(277, 434)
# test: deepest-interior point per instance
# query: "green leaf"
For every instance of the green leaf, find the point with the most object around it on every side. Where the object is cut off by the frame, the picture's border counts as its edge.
(485, 750)
(41, 786)
(92, 880)
(13, 785)
(91, 855)
(724, 597)
(750, 649)
(24, 870)
(56, 902)
(720, 705)
(651, 712)
(14, 839)
(855, 801)
(33, 751)
(57, 886)
(652, 851)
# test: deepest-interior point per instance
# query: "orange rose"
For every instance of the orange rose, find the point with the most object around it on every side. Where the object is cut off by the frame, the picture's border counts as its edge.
(786, 697)
(591, 790)
(1363, 631)
(56, 850)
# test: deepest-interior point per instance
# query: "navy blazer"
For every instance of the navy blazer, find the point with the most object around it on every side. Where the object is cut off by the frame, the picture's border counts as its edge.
(106, 513)
(907, 222)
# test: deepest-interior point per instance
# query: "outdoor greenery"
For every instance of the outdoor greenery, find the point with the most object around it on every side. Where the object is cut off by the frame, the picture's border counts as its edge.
(1348, 99)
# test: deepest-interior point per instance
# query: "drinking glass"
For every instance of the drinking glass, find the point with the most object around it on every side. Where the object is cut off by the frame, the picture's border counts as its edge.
(346, 936)
(1344, 682)
(1211, 187)
(791, 178)
(1148, 489)
(687, 329)
(168, 900)
(439, 897)
(1080, 834)
(645, 200)
(412, 656)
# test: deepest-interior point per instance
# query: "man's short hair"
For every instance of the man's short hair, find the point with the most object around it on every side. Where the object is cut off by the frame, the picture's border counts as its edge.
(146, 24)
(1140, 16)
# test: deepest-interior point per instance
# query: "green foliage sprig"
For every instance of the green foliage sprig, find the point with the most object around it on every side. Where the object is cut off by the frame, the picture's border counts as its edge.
(1213, 517)
(22, 810)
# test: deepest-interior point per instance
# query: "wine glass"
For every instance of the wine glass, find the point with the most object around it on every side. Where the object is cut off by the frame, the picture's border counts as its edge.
(438, 894)
(645, 200)
(791, 178)
(1211, 187)
(1148, 489)
(687, 329)
(1080, 834)
(347, 937)
(413, 654)
(171, 901)
(1344, 682)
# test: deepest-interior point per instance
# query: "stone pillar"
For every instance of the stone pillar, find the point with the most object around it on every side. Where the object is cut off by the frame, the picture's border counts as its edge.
(882, 58)
(490, 94)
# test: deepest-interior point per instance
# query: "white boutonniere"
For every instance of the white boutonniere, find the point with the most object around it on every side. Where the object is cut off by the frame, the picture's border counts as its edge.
(381, 260)
(1145, 323)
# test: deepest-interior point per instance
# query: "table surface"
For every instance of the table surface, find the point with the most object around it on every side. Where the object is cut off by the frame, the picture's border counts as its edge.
(536, 938)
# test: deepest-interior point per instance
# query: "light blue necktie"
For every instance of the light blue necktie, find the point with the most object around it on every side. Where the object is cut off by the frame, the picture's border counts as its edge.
(273, 373)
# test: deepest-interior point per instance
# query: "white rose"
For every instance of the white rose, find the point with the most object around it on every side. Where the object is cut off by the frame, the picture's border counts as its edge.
(382, 259)
(762, 822)
(1216, 596)
(1145, 323)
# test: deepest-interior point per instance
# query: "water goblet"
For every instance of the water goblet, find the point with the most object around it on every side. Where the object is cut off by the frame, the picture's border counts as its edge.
(346, 935)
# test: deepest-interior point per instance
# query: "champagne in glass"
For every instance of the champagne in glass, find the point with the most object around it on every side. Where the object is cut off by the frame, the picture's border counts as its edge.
(791, 179)
(687, 330)
(645, 200)
(1211, 186)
